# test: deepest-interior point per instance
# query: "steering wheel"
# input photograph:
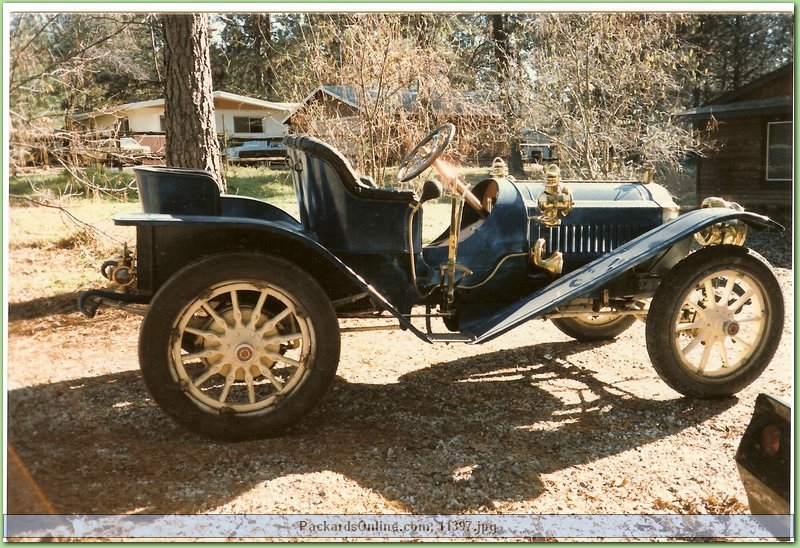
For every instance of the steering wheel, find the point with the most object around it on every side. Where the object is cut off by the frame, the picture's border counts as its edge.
(425, 153)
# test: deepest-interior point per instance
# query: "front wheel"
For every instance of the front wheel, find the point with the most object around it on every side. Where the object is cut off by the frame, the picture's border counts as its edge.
(239, 346)
(715, 322)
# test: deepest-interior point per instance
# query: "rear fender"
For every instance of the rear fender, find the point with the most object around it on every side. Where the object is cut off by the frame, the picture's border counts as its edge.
(284, 235)
(596, 274)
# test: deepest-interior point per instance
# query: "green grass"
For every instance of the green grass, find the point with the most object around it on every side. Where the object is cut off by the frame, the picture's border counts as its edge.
(260, 182)
(119, 185)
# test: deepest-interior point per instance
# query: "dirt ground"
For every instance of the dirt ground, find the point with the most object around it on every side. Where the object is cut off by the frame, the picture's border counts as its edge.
(532, 422)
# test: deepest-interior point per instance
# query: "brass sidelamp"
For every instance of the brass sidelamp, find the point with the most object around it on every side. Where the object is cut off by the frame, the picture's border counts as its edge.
(555, 200)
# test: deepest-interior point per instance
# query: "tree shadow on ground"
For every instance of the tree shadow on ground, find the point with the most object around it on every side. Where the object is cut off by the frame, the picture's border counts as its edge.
(431, 432)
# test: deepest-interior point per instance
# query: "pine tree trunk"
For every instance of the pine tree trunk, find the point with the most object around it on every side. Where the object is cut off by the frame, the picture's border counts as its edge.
(503, 54)
(189, 124)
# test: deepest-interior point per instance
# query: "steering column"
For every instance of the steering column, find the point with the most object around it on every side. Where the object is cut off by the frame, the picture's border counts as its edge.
(426, 154)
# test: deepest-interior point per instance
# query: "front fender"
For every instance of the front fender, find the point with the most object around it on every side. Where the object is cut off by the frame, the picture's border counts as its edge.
(599, 272)
(306, 252)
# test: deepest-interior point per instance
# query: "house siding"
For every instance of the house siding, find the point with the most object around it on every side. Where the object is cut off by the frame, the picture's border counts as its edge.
(737, 165)
(272, 123)
(145, 118)
(736, 168)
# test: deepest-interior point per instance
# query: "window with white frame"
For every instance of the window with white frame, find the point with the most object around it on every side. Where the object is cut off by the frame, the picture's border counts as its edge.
(779, 151)
(246, 124)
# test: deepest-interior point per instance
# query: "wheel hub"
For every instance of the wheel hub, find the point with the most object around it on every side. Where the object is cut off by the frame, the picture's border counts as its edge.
(241, 348)
(731, 328)
(244, 353)
(719, 323)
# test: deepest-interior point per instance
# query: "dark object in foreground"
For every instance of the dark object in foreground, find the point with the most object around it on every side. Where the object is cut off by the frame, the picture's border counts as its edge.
(764, 457)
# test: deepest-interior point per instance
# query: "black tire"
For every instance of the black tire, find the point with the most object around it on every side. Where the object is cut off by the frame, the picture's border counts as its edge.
(594, 327)
(239, 346)
(713, 348)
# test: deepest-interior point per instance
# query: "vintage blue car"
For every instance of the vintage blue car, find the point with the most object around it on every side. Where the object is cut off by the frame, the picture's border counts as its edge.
(242, 301)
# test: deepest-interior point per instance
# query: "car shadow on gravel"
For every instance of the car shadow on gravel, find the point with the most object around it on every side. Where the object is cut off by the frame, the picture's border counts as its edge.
(460, 436)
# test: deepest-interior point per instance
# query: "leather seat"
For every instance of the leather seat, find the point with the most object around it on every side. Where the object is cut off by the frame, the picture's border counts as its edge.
(178, 191)
(340, 210)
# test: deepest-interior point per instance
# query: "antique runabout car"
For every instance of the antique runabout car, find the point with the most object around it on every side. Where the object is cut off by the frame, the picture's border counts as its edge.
(242, 301)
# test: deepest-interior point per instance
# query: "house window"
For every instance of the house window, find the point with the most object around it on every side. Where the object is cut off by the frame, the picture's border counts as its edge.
(162, 123)
(124, 125)
(244, 124)
(779, 151)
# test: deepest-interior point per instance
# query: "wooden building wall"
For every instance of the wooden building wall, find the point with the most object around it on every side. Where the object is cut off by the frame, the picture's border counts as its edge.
(737, 169)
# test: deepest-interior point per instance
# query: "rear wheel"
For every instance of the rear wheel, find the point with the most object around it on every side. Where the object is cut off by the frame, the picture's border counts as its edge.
(594, 327)
(239, 346)
(715, 322)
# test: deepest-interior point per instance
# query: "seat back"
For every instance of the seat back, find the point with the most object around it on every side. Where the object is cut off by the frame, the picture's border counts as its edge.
(177, 191)
(343, 213)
